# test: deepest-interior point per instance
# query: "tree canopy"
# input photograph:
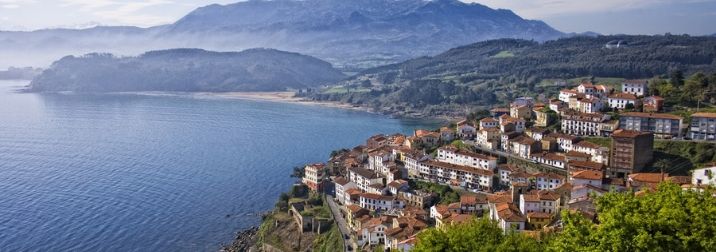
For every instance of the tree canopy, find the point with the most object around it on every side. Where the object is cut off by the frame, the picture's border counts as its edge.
(667, 219)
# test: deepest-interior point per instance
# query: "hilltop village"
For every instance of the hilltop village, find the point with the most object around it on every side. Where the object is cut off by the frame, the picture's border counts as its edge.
(520, 166)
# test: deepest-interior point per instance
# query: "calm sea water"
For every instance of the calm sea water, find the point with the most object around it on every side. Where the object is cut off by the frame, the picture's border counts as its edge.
(154, 173)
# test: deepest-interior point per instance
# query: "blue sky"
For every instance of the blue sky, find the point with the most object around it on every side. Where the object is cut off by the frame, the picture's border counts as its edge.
(603, 16)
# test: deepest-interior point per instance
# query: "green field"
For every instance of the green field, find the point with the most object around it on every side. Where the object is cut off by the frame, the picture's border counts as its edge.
(503, 54)
(343, 90)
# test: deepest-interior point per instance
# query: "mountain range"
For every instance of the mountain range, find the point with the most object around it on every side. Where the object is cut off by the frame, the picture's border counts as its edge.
(354, 34)
(187, 70)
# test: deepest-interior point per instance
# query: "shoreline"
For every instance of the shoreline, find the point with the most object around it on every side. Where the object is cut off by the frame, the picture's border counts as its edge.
(283, 97)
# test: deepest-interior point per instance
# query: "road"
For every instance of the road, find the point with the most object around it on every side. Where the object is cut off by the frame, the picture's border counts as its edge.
(342, 225)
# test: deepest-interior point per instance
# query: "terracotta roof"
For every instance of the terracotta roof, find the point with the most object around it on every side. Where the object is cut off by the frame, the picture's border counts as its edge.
(704, 114)
(421, 133)
(587, 144)
(443, 210)
(524, 140)
(473, 199)
(460, 218)
(397, 183)
(623, 96)
(355, 208)
(647, 177)
(588, 174)
(341, 180)
(376, 196)
(364, 172)
(578, 154)
(568, 91)
(499, 198)
(586, 165)
(539, 215)
(509, 213)
(628, 133)
(353, 191)
(681, 180)
(549, 175)
(488, 120)
(652, 115)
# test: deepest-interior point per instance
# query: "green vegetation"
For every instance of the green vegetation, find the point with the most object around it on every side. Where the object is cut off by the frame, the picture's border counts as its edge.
(668, 219)
(503, 54)
(681, 157)
(681, 95)
(471, 78)
(329, 241)
(477, 235)
(445, 194)
(346, 89)
(187, 70)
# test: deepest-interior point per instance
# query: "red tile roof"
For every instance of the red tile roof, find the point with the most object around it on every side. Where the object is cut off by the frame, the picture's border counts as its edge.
(652, 115)
(588, 174)
(623, 96)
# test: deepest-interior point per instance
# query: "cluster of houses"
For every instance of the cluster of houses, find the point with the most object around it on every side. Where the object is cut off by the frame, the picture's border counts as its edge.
(497, 172)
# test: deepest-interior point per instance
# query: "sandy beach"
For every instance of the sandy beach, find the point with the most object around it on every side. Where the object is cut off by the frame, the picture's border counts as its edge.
(284, 96)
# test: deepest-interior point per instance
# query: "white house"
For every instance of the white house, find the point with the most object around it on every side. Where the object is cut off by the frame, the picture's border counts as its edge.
(466, 130)
(565, 142)
(620, 100)
(488, 138)
(488, 122)
(704, 176)
(543, 201)
(549, 158)
(453, 155)
(508, 216)
(598, 153)
(372, 231)
(342, 185)
(635, 87)
(380, 203)
(505, 171)
(363, 178)
(545, 181)
(565, 94)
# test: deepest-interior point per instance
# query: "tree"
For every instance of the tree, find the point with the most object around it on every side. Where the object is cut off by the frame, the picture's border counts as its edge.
(668, 219)
(677, 78)
(476, 235)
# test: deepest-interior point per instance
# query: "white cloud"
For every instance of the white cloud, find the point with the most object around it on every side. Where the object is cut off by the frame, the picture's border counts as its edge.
(130, 12)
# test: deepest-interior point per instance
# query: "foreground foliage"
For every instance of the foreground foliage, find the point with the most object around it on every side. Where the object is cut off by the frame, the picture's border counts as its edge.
(668, 219)
(477, 235)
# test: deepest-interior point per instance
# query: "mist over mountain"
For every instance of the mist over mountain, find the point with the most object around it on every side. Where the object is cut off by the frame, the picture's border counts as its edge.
(356, 33)
(187, 70)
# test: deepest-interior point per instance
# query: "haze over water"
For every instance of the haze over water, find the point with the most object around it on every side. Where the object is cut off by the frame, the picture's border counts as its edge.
(154, 173)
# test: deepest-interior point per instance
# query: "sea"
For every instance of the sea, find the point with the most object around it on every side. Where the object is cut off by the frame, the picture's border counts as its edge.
(139, 172)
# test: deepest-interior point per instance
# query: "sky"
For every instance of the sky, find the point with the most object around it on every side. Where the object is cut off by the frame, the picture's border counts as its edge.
(696, 17)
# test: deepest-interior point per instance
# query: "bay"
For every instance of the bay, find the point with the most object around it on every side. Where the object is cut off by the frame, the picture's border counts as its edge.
(130, 172)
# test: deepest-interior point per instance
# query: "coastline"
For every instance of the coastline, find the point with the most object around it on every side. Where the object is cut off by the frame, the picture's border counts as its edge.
(282, 96)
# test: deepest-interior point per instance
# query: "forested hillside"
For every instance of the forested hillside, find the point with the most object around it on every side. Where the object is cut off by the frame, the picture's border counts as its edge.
(188, 70)
(496, 71)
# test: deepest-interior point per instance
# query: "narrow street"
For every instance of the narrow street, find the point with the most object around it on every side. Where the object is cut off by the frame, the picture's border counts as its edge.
(342, 225)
